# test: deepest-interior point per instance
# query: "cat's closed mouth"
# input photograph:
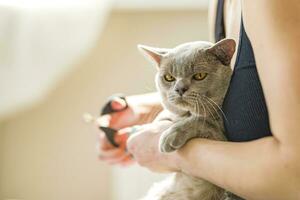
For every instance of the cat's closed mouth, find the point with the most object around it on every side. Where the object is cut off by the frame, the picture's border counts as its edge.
(181, 101)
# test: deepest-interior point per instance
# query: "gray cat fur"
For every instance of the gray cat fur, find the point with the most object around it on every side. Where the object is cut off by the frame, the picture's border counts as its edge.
(196, 113)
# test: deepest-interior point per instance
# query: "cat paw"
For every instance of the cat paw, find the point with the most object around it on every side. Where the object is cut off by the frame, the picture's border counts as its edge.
(166, 148)
(171, 141)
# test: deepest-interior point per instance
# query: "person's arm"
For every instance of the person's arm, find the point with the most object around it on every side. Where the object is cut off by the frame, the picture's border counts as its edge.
(267, 168)
(212, 19)
(253, 170)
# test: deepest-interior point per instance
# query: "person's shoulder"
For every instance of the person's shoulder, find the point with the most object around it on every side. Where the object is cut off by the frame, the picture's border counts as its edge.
(274, 17)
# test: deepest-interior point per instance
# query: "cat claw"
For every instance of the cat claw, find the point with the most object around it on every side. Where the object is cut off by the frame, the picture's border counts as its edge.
(170, 142)
(164, 145)
(177, 139)
(166, 149)
(176, 144)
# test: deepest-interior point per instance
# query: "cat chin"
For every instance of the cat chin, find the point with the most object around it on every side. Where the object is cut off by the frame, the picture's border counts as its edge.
(179, 108)
(182, 104)
(174, 108)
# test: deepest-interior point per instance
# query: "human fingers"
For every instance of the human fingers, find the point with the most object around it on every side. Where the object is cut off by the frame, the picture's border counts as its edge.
(113, 155)
(103, 143)
(126, 159)
(121, 137)
(118, 103)
(116, 155)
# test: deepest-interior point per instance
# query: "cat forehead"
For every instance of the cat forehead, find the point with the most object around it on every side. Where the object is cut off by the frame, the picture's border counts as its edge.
(188, 49)
(188, 54)
(192, 46)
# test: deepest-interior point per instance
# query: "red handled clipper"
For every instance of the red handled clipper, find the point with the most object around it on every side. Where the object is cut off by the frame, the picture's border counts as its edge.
(108, 109)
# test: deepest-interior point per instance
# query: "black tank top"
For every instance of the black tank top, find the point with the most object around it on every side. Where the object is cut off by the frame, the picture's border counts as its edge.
(244, 105)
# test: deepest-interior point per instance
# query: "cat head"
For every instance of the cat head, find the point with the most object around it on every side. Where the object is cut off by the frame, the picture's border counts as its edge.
(192, 73)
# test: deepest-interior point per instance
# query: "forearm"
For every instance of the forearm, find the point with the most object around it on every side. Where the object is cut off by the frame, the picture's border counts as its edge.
(150, 99)
(150, 106)
(259, 169)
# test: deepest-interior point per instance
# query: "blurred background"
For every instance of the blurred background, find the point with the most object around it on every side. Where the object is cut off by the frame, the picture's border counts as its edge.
(62, 58)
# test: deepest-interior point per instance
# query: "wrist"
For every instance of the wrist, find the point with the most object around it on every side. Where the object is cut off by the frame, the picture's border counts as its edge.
(177, 161)
(145, 106)
(186, 156)
(149, 99)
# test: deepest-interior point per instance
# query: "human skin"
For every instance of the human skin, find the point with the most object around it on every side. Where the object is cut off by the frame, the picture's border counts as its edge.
(267, 168)
(142, 109)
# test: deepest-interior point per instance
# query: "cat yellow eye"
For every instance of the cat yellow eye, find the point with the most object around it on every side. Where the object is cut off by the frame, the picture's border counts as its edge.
(199, 76)
(169, 78)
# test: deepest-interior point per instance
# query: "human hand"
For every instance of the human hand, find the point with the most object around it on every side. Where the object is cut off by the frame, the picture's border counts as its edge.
(115, 155)
(137, 112)
(143, 145)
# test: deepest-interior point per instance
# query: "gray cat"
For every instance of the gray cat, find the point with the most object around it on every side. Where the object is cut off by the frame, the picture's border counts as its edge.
(192, 80)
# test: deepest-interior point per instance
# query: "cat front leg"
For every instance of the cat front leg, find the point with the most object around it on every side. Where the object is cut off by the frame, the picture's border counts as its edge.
(178, 134)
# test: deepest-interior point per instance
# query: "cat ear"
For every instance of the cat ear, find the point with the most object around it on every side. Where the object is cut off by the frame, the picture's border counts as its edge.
(223, 50)
(153, 53)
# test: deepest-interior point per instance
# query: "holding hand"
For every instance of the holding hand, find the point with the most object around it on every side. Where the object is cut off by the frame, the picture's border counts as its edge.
(138, 112)
(143, 145)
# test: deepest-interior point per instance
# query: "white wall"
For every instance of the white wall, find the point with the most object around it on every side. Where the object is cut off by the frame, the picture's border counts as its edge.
(48, 153)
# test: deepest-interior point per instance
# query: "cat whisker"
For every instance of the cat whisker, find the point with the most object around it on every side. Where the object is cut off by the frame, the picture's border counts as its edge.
(213, 107)
(211, 113)
(192, 97)
(193, 94)
(212, 101)
(205, 115)
(198, 110)
(171, 97)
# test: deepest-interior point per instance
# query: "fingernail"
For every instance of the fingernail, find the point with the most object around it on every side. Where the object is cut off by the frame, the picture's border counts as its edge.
(118, 104)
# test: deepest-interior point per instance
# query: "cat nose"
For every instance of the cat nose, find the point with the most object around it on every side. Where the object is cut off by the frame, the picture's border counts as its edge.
(181, 90)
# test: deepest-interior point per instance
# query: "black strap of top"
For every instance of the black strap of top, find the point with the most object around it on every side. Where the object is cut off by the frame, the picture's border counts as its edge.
(219, 25)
